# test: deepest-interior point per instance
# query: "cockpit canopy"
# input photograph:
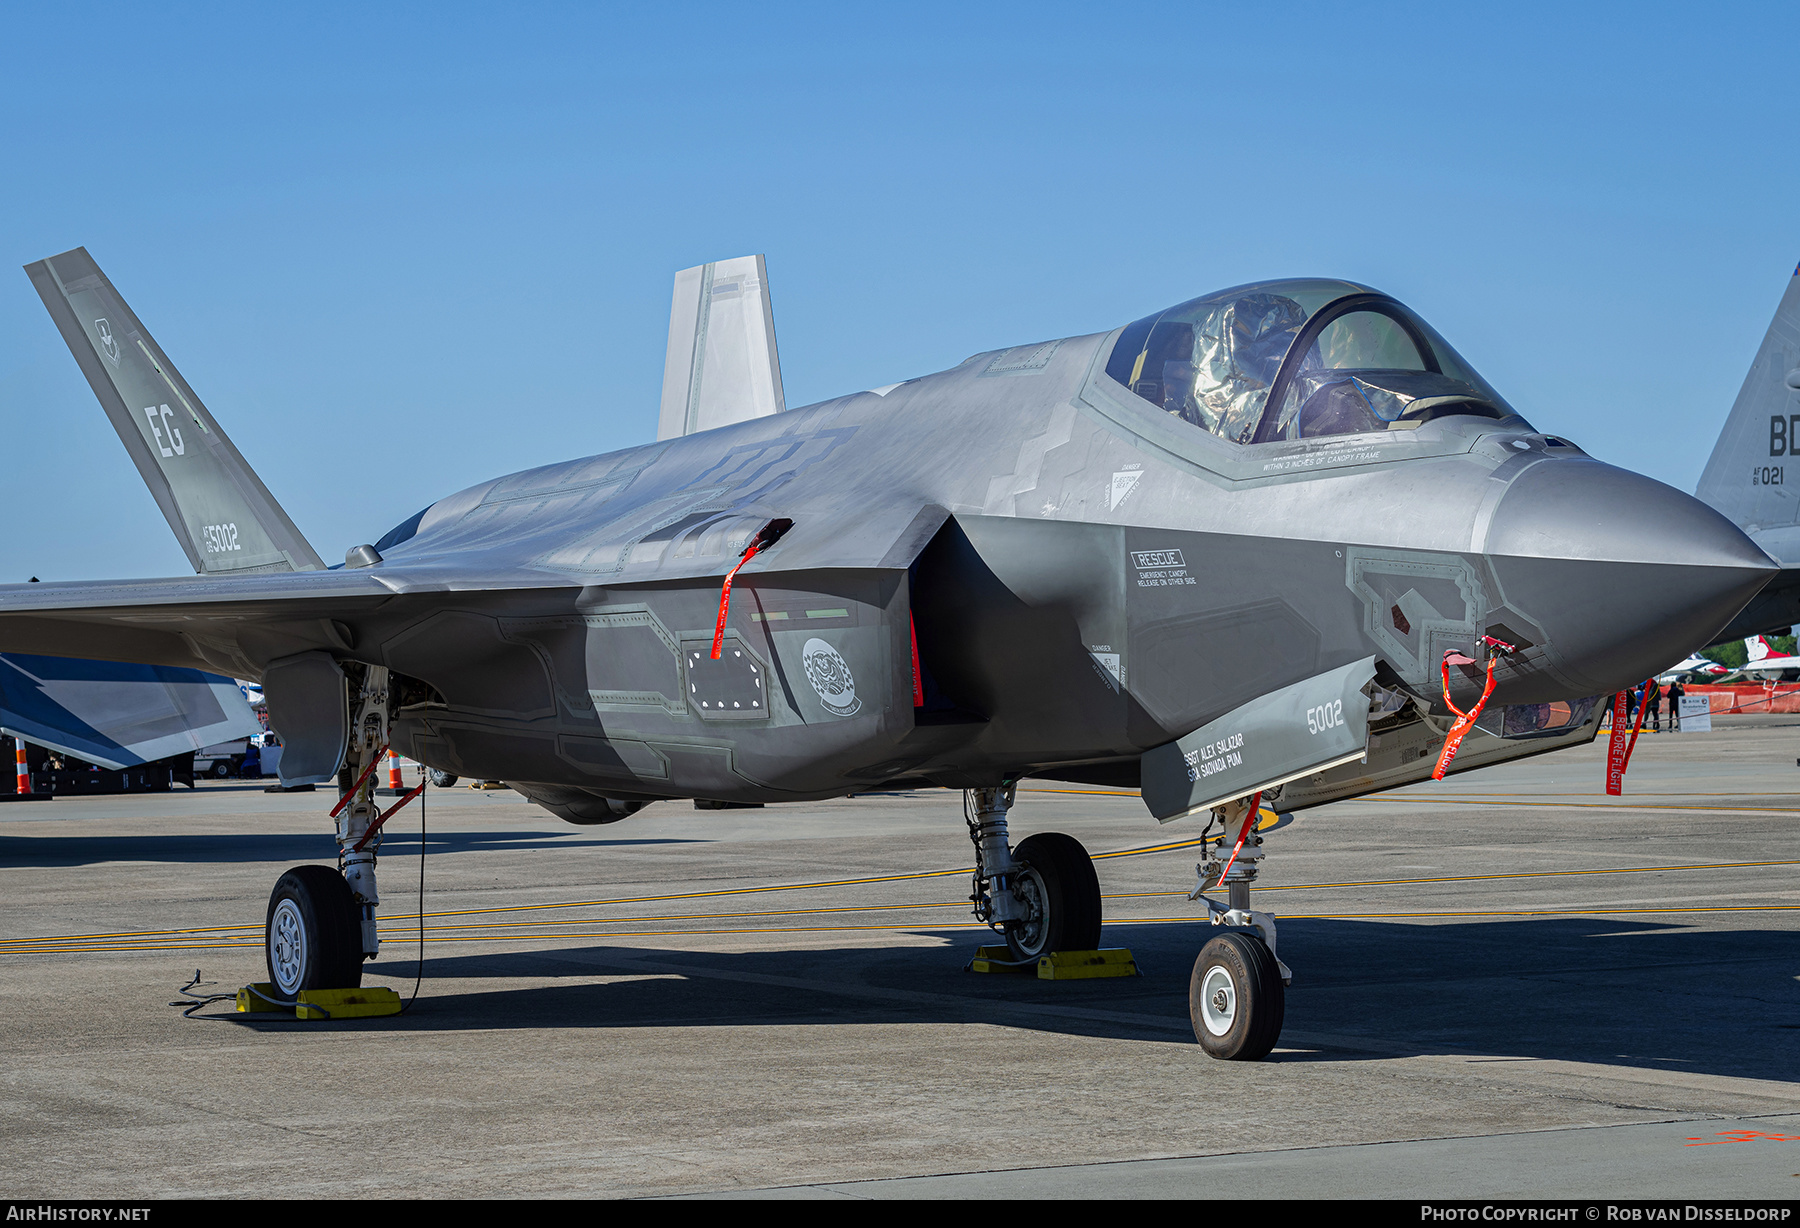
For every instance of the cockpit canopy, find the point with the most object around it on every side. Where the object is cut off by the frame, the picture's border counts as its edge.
(1298, 360)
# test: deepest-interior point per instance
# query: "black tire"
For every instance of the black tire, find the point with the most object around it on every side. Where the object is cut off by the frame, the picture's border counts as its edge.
(439, 779)
(1060, 880)
(221, 769)
(319, 945)
(1242, 1022)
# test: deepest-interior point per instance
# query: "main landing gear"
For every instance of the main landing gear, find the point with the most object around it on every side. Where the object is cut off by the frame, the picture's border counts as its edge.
(1237, 996)
(321, 922)
(1042, 896)
(314, 934)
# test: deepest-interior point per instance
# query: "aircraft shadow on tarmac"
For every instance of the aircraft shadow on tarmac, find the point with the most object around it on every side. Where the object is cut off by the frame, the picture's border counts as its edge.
(1591, 989)
(46, 851)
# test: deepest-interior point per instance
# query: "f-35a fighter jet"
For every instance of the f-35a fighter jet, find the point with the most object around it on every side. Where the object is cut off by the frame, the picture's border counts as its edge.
(1254, 546)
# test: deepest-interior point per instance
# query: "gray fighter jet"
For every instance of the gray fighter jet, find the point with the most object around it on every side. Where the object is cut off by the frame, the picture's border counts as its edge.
(1746, 476)
(1253, 546)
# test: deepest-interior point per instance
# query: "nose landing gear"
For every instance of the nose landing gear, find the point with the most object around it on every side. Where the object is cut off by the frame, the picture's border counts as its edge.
(1237, 996)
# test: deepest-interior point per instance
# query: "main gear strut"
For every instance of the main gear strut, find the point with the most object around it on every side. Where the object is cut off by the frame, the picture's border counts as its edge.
(358, 815)
(984, 810)
(1042, 896)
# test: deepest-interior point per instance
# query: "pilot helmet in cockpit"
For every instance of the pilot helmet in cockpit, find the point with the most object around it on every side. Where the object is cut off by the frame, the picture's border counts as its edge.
(1297, 360)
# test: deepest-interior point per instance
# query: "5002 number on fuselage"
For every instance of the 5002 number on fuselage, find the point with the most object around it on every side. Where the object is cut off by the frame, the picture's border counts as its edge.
(1325, 716)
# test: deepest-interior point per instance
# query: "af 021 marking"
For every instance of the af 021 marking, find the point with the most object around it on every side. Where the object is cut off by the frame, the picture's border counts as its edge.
(159, 416)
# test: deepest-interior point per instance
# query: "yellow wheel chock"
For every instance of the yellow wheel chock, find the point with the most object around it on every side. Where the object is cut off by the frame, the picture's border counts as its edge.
(321, 1003)
(1058, 965)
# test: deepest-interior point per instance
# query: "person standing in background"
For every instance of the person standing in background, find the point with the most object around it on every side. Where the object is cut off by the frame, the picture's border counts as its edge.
(1653, 697)
(1675, 692)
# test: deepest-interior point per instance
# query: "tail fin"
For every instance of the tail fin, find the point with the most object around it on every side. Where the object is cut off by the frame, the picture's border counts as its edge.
(1756, 648)
(721, 365)
(222, 514)
(1748, 477)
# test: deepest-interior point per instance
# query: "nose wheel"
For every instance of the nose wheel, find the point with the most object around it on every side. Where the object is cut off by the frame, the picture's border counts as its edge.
(313, 934)
(1236, 999)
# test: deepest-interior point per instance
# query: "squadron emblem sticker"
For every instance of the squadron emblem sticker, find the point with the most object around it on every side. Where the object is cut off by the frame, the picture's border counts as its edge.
(830, 677)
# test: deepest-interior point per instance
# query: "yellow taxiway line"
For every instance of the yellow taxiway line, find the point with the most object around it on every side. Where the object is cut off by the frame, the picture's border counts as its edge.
(230, 936)
(572, 934)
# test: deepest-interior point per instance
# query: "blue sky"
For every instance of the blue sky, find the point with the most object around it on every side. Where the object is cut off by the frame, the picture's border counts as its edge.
(399, 249)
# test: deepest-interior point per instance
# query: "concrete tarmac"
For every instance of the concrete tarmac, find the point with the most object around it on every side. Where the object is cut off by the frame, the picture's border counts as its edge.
(1505, 985)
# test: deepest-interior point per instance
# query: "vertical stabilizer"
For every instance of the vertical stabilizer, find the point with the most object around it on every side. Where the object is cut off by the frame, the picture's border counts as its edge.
(1753, 476)
(721, 365)
(222, 514)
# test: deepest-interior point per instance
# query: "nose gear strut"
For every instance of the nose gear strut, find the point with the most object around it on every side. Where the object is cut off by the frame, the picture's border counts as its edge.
(1237, 995)
(1236, 869)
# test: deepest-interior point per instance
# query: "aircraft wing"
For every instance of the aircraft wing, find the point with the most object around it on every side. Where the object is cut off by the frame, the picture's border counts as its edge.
(232, 625)
(118, 715)
(1770, 665)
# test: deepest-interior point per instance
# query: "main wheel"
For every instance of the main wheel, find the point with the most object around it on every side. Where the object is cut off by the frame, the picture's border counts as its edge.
(1236, 999)
(1061, 894)
(313, 935)
(439, 779)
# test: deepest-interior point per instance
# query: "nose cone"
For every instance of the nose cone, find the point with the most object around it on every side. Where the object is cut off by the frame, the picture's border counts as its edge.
(1624, 575)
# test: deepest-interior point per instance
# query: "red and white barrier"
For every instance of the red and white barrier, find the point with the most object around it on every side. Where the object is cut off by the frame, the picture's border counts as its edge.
(1750, 697)
(24, 780)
